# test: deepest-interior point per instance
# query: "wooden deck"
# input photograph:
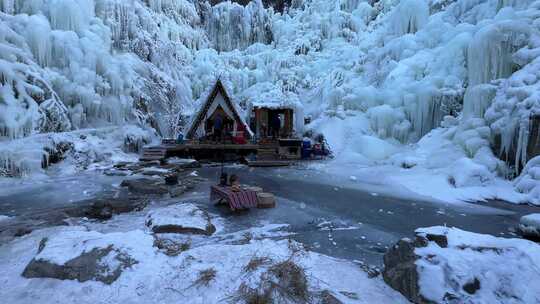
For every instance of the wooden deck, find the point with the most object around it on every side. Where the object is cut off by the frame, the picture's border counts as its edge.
(217, 146)
(196, 150)
(267, 153)
(269, 163)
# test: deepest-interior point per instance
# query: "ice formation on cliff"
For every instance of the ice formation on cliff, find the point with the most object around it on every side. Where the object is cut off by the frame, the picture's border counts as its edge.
(393, 70)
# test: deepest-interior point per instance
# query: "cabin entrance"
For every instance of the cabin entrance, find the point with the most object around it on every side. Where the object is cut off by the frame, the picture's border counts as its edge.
(273, 123)
(219, 124)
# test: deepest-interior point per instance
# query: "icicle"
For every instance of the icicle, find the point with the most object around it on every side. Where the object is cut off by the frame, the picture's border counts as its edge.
(8, 6)
(490, 52)
(71, 15)
(38, 37)
(13, 7)
(478, 99)
(350, 5)
(231, 26)
(512, 3)
(424, 109)
(117, 15)
(383, 119)
(409, 17)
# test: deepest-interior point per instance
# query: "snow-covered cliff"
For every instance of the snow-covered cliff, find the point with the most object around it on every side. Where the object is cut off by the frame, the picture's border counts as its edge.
(384, 72)
(396, 70)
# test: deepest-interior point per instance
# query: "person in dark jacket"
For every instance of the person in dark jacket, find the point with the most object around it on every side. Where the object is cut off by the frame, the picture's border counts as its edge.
(276, 125)
(218, 127)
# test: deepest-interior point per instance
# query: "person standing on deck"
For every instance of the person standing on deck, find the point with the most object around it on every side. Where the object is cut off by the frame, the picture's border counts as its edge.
(218, 127)
(276, 125)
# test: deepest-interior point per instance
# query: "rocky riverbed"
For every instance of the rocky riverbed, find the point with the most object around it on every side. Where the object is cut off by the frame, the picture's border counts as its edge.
(140, 184)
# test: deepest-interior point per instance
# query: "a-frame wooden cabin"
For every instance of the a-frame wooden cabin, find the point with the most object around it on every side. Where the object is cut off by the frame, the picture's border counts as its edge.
(218, 102)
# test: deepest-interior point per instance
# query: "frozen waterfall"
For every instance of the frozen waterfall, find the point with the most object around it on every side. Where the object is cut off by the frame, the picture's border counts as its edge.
(231, 26)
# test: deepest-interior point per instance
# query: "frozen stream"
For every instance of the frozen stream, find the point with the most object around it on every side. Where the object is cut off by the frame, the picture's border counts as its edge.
(356, 224)
(26, 196)
(346, 222)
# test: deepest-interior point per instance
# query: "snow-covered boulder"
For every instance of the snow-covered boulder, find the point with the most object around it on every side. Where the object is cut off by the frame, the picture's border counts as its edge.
(467, 173)
(373, 148)
(180, 218)
(153, 171)
(529, 226)
(183, 163)
(529, 181)
(81, 255)
(449, 265)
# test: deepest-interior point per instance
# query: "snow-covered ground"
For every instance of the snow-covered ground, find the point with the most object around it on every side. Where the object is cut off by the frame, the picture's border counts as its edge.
(161, 278)
(434, 169)
(75, 151)
(496, 270)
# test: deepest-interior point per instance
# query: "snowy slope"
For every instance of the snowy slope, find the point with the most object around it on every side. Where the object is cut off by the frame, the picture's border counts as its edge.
(159, 278)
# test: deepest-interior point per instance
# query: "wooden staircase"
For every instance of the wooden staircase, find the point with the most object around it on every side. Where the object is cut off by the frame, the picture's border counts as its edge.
(268, 156)
(153, 153)
(268, 151)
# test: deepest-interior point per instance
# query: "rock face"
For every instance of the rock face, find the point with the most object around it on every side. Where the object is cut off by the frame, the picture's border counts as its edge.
(448, 265)
(83, 255)
(400, 269)
(180, 218)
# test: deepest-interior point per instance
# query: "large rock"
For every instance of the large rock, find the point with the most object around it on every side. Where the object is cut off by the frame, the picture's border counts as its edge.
(529, 226)
(116, 172)
(104, 209)
(145, 186)
(182, 163)
(400, 269)
(153, 171)
(180, 218)
(81, 255)
(171, 179)
(448, 265)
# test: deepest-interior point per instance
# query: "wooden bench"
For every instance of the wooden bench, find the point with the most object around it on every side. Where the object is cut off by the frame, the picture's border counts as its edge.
(237, 200)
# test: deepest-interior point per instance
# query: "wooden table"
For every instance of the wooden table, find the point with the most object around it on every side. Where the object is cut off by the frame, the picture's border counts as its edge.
(237, 200)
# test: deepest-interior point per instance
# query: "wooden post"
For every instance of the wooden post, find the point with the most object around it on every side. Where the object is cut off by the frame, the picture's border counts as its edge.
(257, 122)
(288, 122)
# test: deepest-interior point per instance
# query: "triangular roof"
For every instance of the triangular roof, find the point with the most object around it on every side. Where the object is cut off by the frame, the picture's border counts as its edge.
(199, 118)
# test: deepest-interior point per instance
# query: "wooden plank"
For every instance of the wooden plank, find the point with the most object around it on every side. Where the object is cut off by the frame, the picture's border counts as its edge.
(150, 158)
(269, 163)
(212, 147)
